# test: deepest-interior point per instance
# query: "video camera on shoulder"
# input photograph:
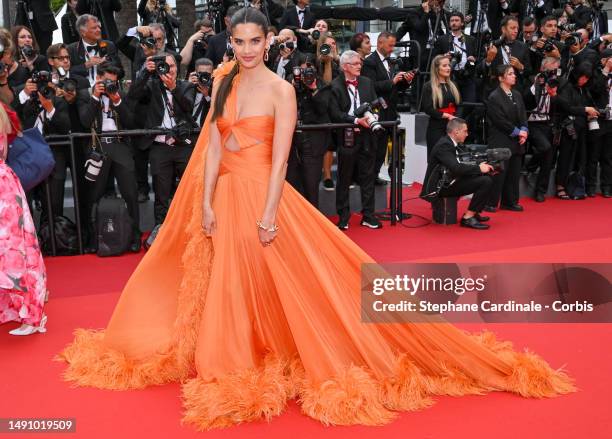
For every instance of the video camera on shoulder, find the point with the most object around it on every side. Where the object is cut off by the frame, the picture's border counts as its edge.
(366, 110)
(477, 154)
(42, 79)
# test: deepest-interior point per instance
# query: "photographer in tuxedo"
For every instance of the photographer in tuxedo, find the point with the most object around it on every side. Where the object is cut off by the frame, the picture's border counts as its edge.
(349, 91)
(104, 10)
(105, 110)
(284, 54)
(141, 42)
(170, 103)
(507, 122)
(91, 50)
(579, 53)
(305, 163)
(202, 80)
(464, 179)
(37, 15)
(379, 68)
(462, 50)
(507, 51)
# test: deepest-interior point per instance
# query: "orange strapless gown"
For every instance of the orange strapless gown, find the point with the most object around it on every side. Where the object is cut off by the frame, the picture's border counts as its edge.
(246, 328)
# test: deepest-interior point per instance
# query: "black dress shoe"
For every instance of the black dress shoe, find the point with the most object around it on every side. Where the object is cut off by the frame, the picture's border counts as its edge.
(490, 209)
(136, 244)
(343, 224)
(89, 249)
(514, 207)
(482, 219)
(473, 223)
(606, 193)
(380, 182)
(539, 197)
(143, 197)
(590, 193)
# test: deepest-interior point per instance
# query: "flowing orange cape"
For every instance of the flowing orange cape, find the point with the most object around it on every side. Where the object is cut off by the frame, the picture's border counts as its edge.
(246, 328)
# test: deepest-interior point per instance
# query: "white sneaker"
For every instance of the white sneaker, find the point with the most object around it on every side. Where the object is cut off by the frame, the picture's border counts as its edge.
(29, 329)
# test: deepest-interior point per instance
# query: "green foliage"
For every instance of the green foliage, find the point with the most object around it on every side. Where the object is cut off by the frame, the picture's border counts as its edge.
(56, 5)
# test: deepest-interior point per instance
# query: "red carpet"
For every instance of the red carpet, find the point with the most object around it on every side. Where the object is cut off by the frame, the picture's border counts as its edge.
(85, 289)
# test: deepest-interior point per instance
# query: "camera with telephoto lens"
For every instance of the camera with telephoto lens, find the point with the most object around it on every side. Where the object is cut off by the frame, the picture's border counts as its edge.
(572, 39)
(161, 66)
(315, 34)
(567, 27)
(455, 59)
(325, 49)
(477, 154)
(147, 41)
(42, 79)
(366, 109)
(93, 165)
(28, 52)
(110, 87)
(181, 133)
(288, 45)
(204, 78)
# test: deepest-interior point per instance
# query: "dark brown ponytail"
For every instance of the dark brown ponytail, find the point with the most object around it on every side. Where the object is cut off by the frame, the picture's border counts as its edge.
(242, 16)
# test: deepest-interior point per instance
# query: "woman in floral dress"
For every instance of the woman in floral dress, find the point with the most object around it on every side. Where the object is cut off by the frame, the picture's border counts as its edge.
(23, 281)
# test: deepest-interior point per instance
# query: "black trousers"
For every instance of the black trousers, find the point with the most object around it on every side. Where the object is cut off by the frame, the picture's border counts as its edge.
(362, 156)
(540, 138)
(141, 160)
(599, 152)
(304, 171)
(167, 164)
(119, 160)
(481, 186)
(506, 183)
(571, 155)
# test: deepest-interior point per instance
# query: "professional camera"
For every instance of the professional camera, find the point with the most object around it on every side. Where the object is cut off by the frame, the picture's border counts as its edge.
(42, 79)
(549, 78)
(365, 110)
(110, 87)
(181, 133)
(28, 52)
(161, 66)
(549, 46)
(325, 49)
(304, 76)
(202, 43)
(573, 38)
(455, 59)
(147, 41)
(567, 27)
(204, 78)
(288, 45)
(477, 154)
(315, 34)
(69, 85)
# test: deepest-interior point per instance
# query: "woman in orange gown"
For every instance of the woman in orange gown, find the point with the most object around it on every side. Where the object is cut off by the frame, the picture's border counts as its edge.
(247, 318)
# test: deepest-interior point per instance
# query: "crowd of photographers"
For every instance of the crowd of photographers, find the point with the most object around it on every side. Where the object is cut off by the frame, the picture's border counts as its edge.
(552, 103)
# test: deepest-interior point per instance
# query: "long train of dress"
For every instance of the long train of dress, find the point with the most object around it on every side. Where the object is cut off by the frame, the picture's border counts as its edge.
(246, 328)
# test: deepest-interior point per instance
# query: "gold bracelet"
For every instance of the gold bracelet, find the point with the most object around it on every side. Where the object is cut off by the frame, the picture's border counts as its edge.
(272, 228)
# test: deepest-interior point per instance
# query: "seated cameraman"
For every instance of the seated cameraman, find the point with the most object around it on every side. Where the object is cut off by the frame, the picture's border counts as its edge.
(387, 81)
(465, 179)
(91, 50)
(541, 101)
(305, 162)
(107, 110)
(170, 103)
(202, 79)
(197, 44)
(141, 42)
(349, 91)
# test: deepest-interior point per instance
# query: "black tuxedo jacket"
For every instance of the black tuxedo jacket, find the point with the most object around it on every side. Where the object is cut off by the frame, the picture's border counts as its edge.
(340, 101)
(90, 112)
(444, 154)
(217, 46)
(147, 91)
(42, 15)
(290, 19)
(518, 50)
(106, 15)
(29, 111)
(503, 116)
(444, 45)
(374, 69)
(70, 33)
(77, 57)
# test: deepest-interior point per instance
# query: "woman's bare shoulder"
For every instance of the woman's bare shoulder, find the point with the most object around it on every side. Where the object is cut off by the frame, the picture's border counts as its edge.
(281, 90)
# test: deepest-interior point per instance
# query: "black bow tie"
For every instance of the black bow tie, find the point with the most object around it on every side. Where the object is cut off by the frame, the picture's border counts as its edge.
(301, 11)
(92, 49)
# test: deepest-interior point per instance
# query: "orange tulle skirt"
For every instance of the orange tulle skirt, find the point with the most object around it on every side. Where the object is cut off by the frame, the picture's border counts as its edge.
(246, 328)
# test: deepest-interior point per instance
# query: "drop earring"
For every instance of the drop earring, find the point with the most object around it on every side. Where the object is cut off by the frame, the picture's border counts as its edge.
(265, 58)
